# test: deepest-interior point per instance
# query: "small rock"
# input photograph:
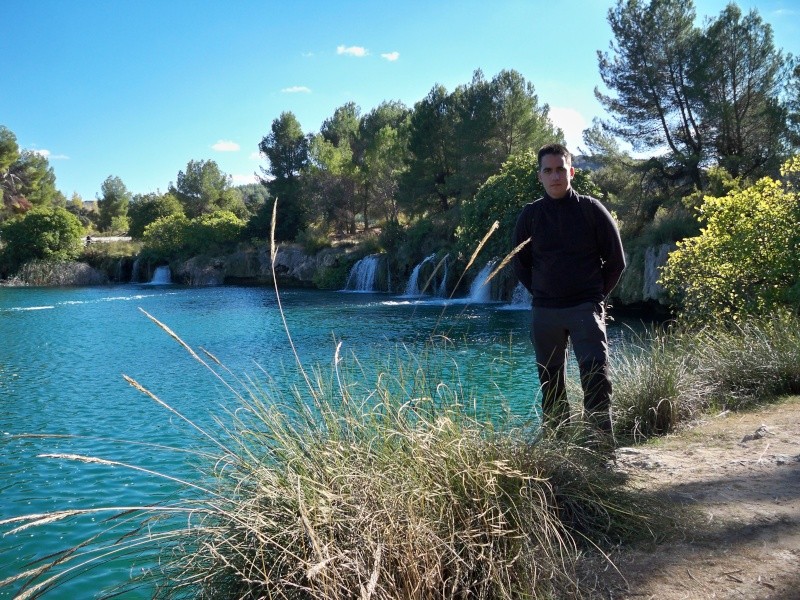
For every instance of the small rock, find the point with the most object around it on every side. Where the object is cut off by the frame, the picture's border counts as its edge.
(628, 451)
(757, 434)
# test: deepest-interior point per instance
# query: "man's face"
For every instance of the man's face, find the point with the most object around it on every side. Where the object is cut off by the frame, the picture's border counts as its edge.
(555, 173)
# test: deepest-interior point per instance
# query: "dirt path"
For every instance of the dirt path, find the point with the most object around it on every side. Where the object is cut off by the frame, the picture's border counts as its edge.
(741, 471)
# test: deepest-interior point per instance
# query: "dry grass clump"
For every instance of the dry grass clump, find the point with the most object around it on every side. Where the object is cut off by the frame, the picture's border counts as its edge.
(396, 491)
(668, 376)
(341, 489)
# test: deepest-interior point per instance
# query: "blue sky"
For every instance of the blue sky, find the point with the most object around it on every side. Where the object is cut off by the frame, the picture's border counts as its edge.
(138, 88)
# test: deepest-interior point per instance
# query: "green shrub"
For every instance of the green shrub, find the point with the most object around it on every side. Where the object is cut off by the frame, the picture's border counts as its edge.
(314, 238)
(51, 234)
(166, 236)
(333, 278)
(176, 236)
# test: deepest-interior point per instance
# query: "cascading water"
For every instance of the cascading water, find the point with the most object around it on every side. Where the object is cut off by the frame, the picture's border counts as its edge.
(412, 287)
(480, 292)
(161, 276)
(441, 291)
(520, 297)
(135, 270)
(363, 274)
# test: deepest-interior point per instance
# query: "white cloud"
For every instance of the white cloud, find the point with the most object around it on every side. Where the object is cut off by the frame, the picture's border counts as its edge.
(226, 146)
(571, 122)
(391, 56)
(352, 50)
(256, 155)
(296, 89)
(239, 179)
(48, 155)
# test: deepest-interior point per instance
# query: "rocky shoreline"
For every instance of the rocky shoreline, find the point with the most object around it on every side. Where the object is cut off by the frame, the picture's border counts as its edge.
(638, 290)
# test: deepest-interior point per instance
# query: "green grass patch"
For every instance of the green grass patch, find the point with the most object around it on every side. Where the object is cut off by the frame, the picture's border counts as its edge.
(669, 375)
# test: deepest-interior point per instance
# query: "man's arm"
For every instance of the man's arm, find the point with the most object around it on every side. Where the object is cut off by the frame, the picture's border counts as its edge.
(522, 259)
(611, 251)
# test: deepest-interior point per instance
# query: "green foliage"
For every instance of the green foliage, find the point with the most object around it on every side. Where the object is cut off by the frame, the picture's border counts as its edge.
(166, 236)
(86, 215)
(36, 179)
(457, 140)
(710, 94)
(333, 277)
(669, 225)
(52, 234)
(719, 182)
(147, 208)
(113, 206)
(407, 246)
(203, 188)
(176, 236)
(9, 150)
(216, 230)
(392, 238)
(793, 105)
(746, 260)
(330, 183)
(741, 83)
(26, 178)
(502, 198)
(634, 189)
(314, 238)
(286, 149)
(254, 196)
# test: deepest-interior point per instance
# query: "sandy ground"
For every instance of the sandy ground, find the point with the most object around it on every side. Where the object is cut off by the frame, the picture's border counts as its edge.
(741, 473)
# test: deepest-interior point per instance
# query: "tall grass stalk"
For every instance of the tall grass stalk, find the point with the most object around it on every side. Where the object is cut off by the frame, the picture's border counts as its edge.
(388, 487)
(671, 375)
(351, 485)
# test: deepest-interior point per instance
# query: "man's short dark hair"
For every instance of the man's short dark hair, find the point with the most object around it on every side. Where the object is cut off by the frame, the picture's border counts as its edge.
(556, 149)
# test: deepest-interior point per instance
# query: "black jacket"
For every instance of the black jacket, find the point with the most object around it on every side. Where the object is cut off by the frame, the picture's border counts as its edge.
(574, 254)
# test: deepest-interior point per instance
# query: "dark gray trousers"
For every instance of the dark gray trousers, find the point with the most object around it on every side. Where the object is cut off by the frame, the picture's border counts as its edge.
(551, 331)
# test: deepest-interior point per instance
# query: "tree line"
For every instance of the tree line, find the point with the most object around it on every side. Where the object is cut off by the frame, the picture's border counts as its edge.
(693, 111)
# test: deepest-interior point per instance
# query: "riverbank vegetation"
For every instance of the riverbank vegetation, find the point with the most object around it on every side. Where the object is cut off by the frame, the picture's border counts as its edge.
(386, 481)
(391, 479)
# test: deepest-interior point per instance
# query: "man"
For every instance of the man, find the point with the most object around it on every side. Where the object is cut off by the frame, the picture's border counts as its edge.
(572, 261)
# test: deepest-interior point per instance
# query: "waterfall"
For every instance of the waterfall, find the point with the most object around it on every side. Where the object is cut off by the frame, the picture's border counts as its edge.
(441, 291)
(412, 287)
(480, 292)
(520, 297)
(135, 271)
(362, 275)
(161, 276)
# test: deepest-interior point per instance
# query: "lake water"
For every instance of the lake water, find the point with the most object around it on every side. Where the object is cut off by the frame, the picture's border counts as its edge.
(63, 353)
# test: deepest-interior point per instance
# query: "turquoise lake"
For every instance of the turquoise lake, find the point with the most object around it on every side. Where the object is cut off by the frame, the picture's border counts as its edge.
(63, 353)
